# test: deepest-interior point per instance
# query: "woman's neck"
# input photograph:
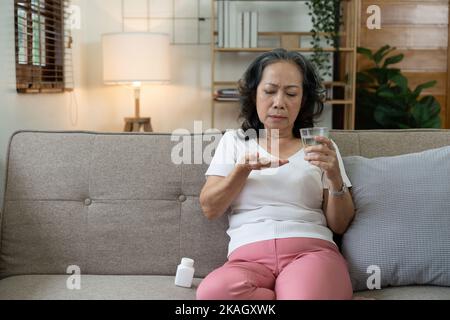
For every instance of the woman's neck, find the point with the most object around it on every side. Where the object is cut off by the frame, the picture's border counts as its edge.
(277, 135)
(274, 139)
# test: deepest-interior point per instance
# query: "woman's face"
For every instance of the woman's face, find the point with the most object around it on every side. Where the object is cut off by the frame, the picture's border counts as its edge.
(279, 96)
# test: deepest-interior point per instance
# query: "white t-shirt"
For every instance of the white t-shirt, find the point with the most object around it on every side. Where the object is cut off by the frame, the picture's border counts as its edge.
(274, 203)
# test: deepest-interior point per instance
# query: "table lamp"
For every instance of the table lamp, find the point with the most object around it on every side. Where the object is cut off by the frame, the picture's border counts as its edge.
(136, 58)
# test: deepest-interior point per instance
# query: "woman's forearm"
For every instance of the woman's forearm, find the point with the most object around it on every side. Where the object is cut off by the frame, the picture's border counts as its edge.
(217, 198)
(339, 210)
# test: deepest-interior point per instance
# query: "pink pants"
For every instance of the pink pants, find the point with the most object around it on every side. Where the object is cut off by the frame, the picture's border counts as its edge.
(283, 269)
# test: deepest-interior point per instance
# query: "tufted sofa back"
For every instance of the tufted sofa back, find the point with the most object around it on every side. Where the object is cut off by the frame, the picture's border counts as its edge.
(115, 203)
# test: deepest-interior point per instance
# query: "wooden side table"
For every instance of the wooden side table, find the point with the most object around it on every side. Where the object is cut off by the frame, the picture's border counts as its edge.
(135, 125)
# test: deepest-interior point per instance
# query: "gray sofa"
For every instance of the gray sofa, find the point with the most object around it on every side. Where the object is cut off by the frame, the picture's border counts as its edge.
(114, 205)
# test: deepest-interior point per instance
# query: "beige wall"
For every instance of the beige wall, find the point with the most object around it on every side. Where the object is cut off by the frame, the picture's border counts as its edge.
(49, 111)
(94, 106)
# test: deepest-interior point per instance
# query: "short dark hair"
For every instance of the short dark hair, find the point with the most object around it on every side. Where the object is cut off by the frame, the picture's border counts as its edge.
(312, 102)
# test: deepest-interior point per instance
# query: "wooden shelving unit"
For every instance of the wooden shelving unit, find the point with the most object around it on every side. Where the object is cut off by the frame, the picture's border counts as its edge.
(349, 40)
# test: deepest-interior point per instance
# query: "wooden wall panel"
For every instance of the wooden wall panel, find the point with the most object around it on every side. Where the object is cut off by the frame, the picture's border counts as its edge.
(411, 12)
(417, 60)
(442, 99)
(414, 37)
(416, 78)
(419, 30)
(446, 113)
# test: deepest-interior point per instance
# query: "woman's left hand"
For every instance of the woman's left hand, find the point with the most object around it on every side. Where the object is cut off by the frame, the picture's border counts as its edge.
(324, 156)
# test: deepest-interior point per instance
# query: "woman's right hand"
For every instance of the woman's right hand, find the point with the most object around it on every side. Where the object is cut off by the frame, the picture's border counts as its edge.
(254, 162)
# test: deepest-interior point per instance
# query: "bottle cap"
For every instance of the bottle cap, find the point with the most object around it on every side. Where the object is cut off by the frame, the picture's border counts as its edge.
(187, 262)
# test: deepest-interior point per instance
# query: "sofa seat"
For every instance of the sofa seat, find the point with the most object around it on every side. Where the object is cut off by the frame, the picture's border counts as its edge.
(106, 287)
(94, 287)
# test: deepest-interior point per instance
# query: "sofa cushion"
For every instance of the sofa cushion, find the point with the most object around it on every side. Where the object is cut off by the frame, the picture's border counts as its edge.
(95, 287)
(402, 219)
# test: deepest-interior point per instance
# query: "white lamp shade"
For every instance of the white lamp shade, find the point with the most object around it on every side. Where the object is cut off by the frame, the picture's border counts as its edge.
(130, 57)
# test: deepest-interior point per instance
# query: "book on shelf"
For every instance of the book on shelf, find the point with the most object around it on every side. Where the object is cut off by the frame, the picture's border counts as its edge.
(227, 94)
(253, 29)
(233, 26)
(246, 30)
(236, 29)
(220, 21)
(229, 91)
(226, 99)
(218, 98)
(226, 25)
(239, 29)
(329, 93)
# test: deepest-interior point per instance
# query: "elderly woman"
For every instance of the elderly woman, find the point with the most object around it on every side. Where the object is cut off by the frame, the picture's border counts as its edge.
(286, 199)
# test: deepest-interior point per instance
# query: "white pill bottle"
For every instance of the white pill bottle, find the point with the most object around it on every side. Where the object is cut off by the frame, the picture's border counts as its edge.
(185, 273)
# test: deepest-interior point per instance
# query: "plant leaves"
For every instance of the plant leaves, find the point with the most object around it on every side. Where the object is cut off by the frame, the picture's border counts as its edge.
(379, 74)
(386, 93)
(364, 78)
(381, 53)
(433, 123)
(325, 17)
(393, 60)
(391, 73)
(365, 51)
(426, 111)
(384, 100)
(423, 86)
(432, 104)
(403, 126)
(387, 116)
(401, 82)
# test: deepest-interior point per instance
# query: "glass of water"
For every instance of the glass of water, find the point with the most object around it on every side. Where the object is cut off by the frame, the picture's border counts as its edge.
(308, 135)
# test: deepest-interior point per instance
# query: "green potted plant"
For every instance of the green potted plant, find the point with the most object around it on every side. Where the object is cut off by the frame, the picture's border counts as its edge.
(326, 21)
(384, 100)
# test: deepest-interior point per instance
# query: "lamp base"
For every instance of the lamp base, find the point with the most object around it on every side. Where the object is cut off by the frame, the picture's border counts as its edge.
(135, 124)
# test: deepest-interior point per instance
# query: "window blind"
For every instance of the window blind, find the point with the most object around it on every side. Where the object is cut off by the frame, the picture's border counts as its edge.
(43, 46)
